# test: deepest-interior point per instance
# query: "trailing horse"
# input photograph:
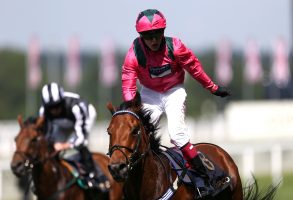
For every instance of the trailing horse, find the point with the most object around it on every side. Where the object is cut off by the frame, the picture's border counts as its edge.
(52, 177)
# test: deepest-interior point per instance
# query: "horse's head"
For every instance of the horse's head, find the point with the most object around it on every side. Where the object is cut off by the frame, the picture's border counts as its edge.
(129, 132)
(29, 143)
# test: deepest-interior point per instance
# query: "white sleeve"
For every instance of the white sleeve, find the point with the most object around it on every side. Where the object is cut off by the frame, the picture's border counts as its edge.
(79, 125)
(41, 111)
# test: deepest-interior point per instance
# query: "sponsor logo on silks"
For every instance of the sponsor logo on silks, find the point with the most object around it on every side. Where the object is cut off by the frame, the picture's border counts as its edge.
(157, 72)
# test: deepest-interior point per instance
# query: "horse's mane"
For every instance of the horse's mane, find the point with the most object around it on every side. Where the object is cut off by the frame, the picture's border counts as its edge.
(150, 128)
(30, 120)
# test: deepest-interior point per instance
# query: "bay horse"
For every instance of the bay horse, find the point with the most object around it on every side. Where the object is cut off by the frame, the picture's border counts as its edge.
(136, 159)
(52, 179)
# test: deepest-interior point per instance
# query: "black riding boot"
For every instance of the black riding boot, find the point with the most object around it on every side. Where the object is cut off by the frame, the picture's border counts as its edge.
(197, 165)
(96, 178)
(87, 160)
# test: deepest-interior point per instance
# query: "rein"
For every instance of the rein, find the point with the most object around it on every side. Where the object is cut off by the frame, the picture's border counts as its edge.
(30, 161)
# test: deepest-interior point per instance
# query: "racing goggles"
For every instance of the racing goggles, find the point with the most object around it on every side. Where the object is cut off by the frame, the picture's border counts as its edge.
(154, 34)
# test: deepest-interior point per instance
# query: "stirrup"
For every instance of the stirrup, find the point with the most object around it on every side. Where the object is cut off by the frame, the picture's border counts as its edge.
(102, 186)
(91, 175)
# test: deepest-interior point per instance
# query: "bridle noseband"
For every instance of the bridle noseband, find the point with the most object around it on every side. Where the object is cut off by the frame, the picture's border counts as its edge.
(135, 157)
(32, 160)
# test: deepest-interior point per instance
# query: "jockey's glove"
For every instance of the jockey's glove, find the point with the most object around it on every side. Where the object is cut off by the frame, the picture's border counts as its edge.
(222, 92)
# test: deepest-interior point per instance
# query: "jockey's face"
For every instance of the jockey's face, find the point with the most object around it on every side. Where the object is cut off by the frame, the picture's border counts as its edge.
(56, 110)
(153, 39)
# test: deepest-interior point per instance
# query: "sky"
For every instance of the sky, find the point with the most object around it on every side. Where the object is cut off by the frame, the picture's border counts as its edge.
(199, 24)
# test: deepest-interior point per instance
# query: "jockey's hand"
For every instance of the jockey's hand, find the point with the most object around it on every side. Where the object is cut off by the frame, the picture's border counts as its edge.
(222, 92)
(59, 146)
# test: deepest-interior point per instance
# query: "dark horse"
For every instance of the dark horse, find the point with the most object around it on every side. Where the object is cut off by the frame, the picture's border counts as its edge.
(136, 159)
(52, 179)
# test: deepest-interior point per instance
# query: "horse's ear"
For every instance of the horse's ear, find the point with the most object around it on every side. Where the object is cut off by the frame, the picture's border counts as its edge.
(40, 122)
(111, 108)
(20, 121)
(136, 101)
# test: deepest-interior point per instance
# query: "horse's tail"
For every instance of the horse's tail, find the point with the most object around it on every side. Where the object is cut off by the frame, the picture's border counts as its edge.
(253, 192)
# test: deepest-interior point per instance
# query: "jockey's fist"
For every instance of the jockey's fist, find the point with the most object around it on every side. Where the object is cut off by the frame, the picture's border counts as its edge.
(222, 92)
(59, 146)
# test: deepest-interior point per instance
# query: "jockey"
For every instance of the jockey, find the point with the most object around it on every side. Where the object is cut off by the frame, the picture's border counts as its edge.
(67, 111)
(159, 63)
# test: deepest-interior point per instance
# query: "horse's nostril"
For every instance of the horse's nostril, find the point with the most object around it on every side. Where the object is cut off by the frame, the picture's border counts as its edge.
(15, 166)
(113, 167)
(17, 169)
(119, 168)
(122, 166)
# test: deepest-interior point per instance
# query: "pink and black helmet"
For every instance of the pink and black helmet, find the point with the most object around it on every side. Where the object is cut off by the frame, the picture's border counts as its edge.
(150, 19)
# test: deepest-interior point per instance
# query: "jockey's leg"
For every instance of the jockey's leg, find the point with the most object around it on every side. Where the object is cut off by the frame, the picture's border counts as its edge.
(151, 100)
(175, 112)
(87, 160)
(191, 155)
(94, 171)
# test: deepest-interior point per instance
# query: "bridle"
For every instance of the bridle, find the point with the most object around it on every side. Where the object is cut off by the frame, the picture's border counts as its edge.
(32, 161)
(135, 156)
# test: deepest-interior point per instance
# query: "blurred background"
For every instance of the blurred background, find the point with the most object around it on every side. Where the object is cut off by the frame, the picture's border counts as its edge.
(244, 45)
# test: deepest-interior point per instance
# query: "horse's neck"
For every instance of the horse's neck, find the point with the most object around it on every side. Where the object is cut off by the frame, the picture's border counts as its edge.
(46, 177)
(149, 178)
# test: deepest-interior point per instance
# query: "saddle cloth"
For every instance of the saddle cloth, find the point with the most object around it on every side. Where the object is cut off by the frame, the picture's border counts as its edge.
(77, 169)
(218, 178)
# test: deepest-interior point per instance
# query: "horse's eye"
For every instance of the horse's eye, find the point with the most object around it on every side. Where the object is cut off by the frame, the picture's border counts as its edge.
(35, 140)
(136, 131)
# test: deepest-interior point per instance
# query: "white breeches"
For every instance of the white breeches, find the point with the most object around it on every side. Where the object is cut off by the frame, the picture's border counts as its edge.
(172, 103)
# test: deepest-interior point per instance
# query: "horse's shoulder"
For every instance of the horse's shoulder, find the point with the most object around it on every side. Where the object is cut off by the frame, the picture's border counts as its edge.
(99, 155)
(208, 146)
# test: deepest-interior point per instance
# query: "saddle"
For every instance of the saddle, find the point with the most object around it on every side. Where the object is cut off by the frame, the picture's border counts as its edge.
(219, 179)
(77, 169)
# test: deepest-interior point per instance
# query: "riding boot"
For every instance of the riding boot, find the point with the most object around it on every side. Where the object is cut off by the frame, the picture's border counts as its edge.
(198, 166)
(87, 160)
(96, 178)
(192, 157)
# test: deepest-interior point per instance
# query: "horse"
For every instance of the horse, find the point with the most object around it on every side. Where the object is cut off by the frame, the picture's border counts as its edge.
(136, 159)
(51, 175)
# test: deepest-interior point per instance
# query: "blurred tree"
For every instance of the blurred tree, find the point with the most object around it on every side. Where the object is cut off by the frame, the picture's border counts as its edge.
(12, 83)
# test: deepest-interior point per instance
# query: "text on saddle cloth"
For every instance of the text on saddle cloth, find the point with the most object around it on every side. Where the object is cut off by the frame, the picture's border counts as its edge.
(218, 177)
(79, 172)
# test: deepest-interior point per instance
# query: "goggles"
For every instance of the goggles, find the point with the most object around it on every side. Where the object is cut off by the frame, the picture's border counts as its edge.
(149, 35)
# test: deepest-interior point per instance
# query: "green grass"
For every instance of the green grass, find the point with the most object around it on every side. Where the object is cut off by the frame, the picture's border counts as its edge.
(285, 190)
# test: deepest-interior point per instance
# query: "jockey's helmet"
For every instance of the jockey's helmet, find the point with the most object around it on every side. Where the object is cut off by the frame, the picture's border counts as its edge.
(150, 19)
(52, 94)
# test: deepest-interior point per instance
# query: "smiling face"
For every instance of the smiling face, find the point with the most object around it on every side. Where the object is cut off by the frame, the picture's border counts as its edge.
(153, 39)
